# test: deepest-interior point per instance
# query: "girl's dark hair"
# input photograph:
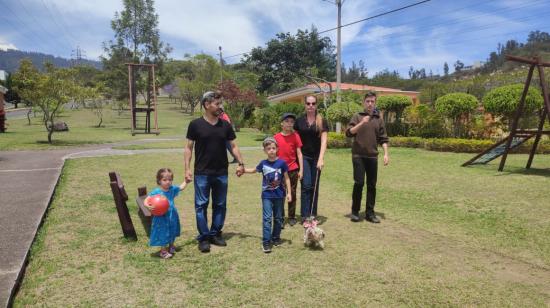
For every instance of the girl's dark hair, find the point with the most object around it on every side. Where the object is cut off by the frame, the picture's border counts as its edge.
(318, 117)
(161, 172)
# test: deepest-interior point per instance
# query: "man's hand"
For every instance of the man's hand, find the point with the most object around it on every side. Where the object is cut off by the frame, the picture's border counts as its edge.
(288, 197)
(386, 159)
(300, 175)
(240, 170)
(188, 176)
(365, 119)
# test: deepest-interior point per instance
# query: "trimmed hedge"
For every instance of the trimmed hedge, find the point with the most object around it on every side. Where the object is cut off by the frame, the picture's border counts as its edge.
(336, 140)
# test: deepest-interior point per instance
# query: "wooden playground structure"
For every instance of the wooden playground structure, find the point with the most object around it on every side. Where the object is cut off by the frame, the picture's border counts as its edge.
(150, 99)
(519, 136)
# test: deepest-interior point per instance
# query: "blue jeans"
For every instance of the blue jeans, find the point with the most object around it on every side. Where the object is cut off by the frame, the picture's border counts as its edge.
(272, 214)
(308, 181)
(204, 184)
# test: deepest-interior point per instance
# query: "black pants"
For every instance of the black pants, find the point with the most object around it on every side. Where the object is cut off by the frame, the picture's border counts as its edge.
(364, 166)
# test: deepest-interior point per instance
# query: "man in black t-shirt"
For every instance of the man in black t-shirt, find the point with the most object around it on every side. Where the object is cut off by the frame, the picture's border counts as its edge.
(208, 135)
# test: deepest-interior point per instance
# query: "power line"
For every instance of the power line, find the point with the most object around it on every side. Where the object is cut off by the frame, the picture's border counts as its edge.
(459, 31)
(357, 21)
(379, 15)
(64, 29)
(38, 39)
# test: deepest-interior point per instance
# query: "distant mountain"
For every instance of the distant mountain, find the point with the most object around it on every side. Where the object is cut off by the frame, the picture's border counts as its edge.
(9, 60)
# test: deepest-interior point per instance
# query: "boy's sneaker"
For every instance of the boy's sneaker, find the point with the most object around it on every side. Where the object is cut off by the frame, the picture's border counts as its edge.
(204, 246)
(292, 221)
(277, 242)
(165, 254)
(266, 247)
(354, 217)
(372, 218)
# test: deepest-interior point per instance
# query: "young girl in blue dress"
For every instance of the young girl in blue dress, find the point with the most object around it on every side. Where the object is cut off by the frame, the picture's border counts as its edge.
(165, 228)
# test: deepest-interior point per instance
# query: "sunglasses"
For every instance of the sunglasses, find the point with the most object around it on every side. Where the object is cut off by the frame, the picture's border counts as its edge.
(310, 104)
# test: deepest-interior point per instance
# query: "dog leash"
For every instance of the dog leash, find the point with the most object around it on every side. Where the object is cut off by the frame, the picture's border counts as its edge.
(318, 173)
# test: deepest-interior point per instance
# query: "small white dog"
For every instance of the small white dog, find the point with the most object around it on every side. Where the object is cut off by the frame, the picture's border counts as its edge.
(313, 235)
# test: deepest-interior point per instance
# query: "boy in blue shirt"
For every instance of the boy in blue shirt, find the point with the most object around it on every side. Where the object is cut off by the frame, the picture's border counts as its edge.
(274, 170)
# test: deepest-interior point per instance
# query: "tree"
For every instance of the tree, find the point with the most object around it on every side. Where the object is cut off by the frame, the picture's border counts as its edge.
(458, 66)
(137, 40)
(503, 101)
(48, 91)
(342, 112)
(393, 103)
(203, 76)
(456, 106)
(239, 104)
(446, 69)
(282, 64)
(11, 96)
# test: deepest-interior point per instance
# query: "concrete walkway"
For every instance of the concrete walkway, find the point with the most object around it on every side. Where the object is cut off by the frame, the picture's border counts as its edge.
(28, 180)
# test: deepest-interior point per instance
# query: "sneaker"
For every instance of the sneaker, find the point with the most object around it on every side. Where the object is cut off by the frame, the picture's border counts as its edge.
(266, 247)
(372, 218)
(204, 246)
(354, 217)
(165, 254)
(292, 221)
(218, 240)
(172, 249)
(278, 242)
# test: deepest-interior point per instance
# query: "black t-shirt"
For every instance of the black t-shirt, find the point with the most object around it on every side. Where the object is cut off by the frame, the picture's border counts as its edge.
(311, 141)
(210, 148)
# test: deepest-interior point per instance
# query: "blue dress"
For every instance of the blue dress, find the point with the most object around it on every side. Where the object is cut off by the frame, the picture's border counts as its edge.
(165, 228)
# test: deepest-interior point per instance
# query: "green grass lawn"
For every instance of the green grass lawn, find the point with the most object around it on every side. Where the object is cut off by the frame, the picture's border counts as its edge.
(82, 128)
(450, 236)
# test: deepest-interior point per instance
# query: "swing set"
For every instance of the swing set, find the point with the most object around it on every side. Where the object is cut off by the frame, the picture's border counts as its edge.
(519, 136)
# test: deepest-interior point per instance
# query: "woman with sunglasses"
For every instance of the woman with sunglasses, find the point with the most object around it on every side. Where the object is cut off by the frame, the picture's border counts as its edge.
(312, 129)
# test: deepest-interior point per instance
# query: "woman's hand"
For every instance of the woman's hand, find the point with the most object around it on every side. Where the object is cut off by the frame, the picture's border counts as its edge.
(320, 164)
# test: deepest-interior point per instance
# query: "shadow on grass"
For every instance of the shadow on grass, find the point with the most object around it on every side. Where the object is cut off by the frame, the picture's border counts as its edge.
(362, 215)
(531, 171)
(493, 168)
(230, 235)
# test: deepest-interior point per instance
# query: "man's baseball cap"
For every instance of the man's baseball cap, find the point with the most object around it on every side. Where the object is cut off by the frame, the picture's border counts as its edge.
(288, 115)
(210, 95)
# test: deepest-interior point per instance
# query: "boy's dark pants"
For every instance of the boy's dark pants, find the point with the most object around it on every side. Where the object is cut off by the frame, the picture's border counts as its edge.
(364, 166)
(293, 175)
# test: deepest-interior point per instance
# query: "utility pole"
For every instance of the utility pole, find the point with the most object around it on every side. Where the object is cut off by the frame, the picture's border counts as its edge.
(339, 52)
(221, 64)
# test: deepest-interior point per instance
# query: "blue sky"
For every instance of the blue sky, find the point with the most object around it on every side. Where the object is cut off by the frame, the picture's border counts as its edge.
(424, 36)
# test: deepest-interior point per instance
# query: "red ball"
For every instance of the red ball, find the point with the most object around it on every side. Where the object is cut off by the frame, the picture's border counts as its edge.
(160, 205)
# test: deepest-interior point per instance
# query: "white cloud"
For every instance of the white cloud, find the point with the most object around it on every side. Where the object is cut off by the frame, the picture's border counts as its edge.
(4, 45)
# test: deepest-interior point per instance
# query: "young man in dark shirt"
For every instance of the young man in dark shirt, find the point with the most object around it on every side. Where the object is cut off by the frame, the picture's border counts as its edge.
(368, 131)
(208, 135)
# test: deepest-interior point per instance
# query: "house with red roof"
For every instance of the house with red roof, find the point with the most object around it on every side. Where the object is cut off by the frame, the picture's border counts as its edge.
(297, 95)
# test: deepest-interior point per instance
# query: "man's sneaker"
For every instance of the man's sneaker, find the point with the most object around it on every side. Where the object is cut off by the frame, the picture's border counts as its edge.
(372, 218)
(204, 246)
(354, 217)
(292, 221)
(266, 247)
(278, 242)
(218, 240)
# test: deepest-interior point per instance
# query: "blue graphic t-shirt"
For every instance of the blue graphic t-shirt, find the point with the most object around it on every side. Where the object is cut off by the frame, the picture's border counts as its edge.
(273, 183)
